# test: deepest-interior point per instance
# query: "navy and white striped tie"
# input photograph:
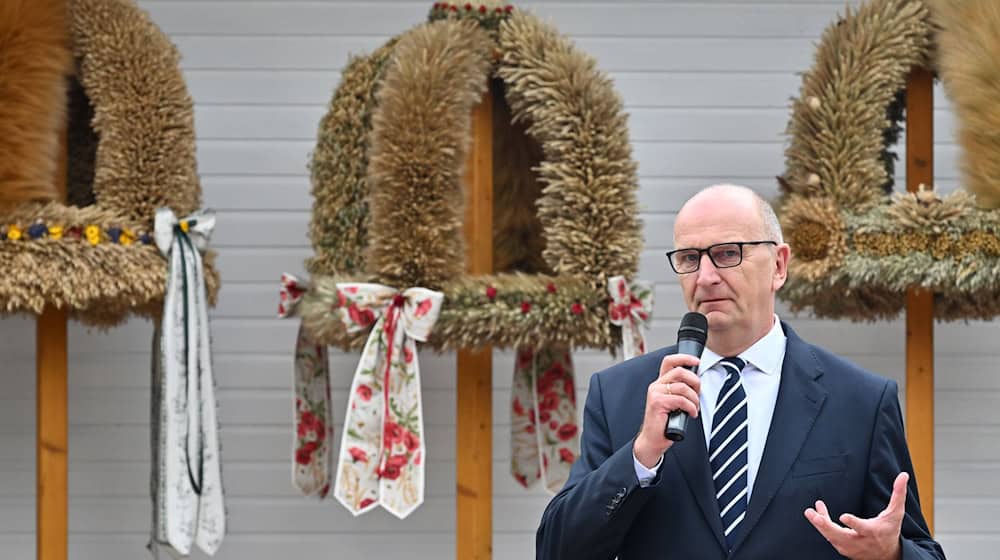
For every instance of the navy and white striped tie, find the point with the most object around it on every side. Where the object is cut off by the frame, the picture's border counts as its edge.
(727, 449)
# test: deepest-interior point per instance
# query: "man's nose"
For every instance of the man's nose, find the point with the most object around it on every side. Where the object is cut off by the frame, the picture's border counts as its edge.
(707, 272)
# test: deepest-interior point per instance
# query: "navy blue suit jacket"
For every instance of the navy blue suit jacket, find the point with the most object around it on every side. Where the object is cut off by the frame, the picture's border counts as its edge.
(836, 435)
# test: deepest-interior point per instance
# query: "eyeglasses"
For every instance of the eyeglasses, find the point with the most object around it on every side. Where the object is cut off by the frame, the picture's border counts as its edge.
(722, 255)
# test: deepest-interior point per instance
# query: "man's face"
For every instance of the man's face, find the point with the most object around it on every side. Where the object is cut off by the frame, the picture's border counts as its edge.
(740, 297)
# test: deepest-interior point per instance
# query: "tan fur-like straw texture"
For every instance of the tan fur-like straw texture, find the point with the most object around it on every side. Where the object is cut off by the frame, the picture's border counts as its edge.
(34, 62)
(340, 217)
(840, 117)
(420, 138)
(142, 111)
(969, 64)
(588, 207)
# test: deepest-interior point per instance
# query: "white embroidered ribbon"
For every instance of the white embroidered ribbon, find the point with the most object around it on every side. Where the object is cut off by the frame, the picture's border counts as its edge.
(312, 447)
(187, 475)
(630, 309)
(545, 434)
(382, 454)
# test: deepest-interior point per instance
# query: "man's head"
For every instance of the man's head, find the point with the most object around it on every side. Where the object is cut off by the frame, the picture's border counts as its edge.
(738, 300)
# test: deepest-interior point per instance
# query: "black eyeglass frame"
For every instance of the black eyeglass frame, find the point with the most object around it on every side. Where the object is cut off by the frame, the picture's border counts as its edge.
(707, 251)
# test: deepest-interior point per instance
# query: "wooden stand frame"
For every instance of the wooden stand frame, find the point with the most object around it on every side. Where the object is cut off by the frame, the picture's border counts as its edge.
(474, 438)
(920, 303)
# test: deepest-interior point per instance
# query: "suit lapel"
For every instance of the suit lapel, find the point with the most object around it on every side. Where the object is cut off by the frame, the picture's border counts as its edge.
(800, 398)
(692, 456)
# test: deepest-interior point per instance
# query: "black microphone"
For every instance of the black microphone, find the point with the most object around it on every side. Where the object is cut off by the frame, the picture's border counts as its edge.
(691, 338)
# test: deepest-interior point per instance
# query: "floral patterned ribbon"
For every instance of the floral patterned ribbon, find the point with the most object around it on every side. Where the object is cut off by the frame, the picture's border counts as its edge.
(187, 490)
(382, 454)
(545, 435)
(312, 447)
(312, 454)
(292, 290)
(630, 309)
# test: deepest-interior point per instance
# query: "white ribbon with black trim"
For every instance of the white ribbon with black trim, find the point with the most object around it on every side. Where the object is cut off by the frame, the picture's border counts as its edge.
(188, 505)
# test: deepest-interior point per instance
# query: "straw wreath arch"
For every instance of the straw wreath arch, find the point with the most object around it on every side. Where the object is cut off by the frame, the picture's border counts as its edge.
(130, 239)
(387, 224)
(387, 175)
(131, 151)
(857, 244)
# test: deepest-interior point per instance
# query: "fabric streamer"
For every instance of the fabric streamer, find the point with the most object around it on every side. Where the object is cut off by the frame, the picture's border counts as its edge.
(545, 434)
(186, 486)
(382, 453)
(312, 449)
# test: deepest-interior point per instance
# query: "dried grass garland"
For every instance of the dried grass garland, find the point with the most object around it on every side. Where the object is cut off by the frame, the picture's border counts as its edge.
(142, 115)
(858, 248)
(584, 187)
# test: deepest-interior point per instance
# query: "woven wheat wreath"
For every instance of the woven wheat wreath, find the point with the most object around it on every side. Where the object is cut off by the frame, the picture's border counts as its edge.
(858, 245)
(389, 265)
(94, 256)
(129, 241)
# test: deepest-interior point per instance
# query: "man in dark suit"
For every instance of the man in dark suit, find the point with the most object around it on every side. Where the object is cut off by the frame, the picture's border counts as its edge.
(791, 452)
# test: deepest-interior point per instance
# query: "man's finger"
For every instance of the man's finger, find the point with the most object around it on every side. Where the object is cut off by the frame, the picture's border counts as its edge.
(679, 375)
(897, 502)
(671, 403)
(678, 389)
(677, 360)
(826, 527)
(860, 526)
(821, 508)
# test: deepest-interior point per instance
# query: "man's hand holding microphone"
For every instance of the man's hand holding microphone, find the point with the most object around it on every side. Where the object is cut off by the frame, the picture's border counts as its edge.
(673, 398)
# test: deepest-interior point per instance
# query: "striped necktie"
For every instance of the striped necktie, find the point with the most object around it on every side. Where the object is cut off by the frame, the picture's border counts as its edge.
(727, 450)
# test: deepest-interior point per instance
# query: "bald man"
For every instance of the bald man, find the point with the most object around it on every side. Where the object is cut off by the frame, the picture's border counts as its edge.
(791, 452)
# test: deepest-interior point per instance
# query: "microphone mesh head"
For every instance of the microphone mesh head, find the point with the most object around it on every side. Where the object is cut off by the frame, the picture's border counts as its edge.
(694, 326)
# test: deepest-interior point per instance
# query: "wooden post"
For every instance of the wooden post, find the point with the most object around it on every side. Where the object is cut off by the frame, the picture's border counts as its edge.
(52, 420)
(474, 438)
(920, 303)
(52, 476)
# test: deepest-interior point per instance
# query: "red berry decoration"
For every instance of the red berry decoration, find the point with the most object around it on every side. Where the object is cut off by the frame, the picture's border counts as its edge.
(551, 288)
(525, 307)
(508, 8)
(482, 9)
(577, 309)
(491, 292)
(468, 7)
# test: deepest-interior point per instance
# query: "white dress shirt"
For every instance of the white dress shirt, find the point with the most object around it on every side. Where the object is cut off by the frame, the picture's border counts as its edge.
(761, 378)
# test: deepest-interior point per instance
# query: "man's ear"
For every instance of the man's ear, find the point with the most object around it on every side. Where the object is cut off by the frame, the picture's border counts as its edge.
(782, 256)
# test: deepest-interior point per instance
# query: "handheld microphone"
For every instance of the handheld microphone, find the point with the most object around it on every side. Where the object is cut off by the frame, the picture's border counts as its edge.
(691, 336)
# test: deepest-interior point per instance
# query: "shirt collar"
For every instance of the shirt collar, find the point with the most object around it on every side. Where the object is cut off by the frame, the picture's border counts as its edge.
(766, 354)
